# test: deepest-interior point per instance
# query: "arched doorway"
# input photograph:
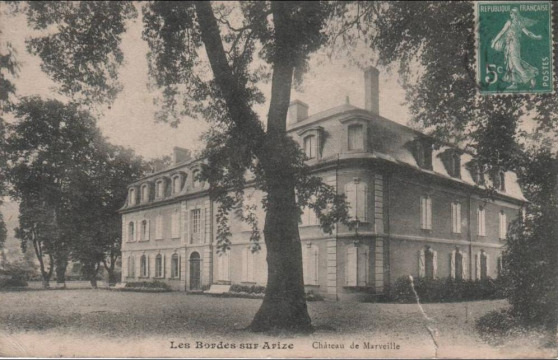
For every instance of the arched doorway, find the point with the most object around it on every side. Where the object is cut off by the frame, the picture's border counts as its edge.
(195, 273)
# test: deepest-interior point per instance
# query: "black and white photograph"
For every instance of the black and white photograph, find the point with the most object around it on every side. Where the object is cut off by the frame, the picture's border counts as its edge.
(278, 179)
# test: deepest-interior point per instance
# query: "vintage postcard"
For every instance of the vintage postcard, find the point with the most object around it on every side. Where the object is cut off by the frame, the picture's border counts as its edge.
(268, 179)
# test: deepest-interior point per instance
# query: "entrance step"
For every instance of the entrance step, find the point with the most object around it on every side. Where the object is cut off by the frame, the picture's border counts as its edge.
(218, 289)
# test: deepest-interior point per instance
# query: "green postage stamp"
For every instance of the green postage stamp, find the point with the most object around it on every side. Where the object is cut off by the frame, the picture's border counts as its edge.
(514, 47)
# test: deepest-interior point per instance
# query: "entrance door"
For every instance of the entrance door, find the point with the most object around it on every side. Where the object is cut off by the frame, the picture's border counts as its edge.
(195, 273)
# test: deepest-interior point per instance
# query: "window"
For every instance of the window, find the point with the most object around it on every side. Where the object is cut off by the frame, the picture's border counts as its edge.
(176, 184)
(195, 220)
(481, 265)
(161, 188)
(499, 265)
(144, 230)
(426, 212)
(477, 172)
(458, 266)
(223, 267)
(131, 267)
(503, 225)
(144, 267)
(499, 180)
(309, 217)
(310, 146)
(131, 231)
(310, 256)
(132, 197)
(248, 264)
(159, 266)
(428, 263)
(145, 193)
(175, 225)
(175, 266)
(356, 193)
(195, 178)
(356, 138)
(456, 217)
(357, 267)
(423, 154)
(159, 227)
(502, 181)
(455, 164)
(481, 221)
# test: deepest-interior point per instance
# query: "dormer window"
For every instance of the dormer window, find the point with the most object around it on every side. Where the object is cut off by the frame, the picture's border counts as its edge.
(312, 138)
(356, 137)
(310, 146)
(477, 172)
(423, 153)
(176, 184)
(132, 196)
(196, 178)
(160, 188)
(452, 161)
(145, 193)
(499, 180)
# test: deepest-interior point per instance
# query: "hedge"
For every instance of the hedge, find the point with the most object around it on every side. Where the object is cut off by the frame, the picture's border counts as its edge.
(445, 290)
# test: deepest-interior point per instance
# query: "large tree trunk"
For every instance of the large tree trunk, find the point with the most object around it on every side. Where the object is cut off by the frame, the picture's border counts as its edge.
(284, 304)
(110, 269)
(39, 253)
(61, 265)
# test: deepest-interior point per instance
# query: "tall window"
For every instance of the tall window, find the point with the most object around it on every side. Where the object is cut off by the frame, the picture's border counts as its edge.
(175, 266)
(310, 256)
(356, 137)
(356, 193)
(426, 212)
(223, 267)
(175, 225)
(161, 188)
(159, 266)
(456, 217)
(144, 267)
(131, 267)
(455, 164)
(131, 234)
(499, 265)
(248, 265)
(423, 154)
(502, 182)
(310, 146)
(357, 267)
(195, 220)
(428, 263)
(503, 225)
(159, 227)
(132, 197)
(458, 264)
(482, 265)
(481, 221)
(309, 217)
(176, 184)
(145, 193)
(144, 230)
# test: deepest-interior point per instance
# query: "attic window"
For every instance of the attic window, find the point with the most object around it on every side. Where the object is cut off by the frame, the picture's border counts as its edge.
(499, 180)
(423, 154)
(477, 173)
(452, 162)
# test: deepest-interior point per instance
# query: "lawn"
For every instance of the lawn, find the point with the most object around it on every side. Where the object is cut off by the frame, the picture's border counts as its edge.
(81, 322)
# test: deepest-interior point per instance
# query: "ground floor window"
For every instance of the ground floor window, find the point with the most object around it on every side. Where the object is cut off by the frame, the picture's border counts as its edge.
(248, 264)
(310, 256)
(223, 268)
(428, 263)
(481, 265)
(144, 266)
(131, 266)
(175, 266)
(357, 266)
(159, 266)
(458, 264)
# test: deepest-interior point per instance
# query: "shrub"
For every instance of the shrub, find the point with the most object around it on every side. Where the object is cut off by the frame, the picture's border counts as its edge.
(310, 296)
(249, 289)
(148, 285)
(496, 323)
(445, 290)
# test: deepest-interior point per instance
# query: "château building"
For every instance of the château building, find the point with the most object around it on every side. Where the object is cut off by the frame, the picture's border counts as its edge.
(422, 211)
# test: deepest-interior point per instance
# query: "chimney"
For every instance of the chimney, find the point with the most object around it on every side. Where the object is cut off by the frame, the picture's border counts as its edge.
(180, 155)
(298, 111)
(372, 90)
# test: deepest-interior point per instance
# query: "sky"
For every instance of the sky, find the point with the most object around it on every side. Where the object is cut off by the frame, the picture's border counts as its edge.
(130, 121)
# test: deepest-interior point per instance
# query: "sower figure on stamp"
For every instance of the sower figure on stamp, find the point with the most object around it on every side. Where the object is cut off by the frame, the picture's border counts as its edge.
(518, 71)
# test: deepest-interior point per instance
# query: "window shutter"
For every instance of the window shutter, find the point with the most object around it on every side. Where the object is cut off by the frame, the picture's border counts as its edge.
(179, 266)
(422, 212)
(477, 266)
(422, 261)
(147, 264)
(487, 264)
(315, 270)
(137, 231)
(464, 263)
(452, 264)
(434, 264)
(305, 264)
(363, 270)
(147, 229)
(226, 267)
(350, 193)
(361, 199)
(428, 213)
(164, 266)
(351, 266)
(202, 224)
(458, 218)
